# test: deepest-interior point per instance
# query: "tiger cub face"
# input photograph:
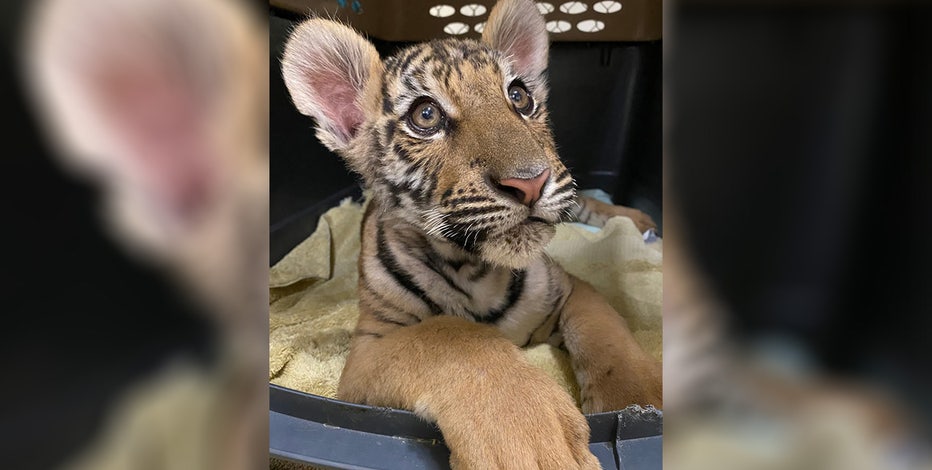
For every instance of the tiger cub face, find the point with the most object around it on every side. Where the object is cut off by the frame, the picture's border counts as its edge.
(451, 135)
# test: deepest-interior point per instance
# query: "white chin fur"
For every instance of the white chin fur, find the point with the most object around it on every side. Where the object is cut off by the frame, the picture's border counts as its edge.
(518, 247)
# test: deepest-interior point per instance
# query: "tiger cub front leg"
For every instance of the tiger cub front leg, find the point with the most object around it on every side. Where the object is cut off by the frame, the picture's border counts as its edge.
(495, 410)
(595, 212)
(611, 368)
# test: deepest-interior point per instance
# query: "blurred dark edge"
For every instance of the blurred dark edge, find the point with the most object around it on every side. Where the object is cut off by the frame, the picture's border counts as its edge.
(799, 149)
(82, 321)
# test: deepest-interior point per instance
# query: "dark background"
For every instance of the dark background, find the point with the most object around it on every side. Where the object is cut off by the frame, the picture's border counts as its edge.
(800, 151)
(81, 322)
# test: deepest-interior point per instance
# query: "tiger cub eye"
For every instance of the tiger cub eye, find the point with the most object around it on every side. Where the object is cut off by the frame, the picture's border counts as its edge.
(520, 99)
(426, 116)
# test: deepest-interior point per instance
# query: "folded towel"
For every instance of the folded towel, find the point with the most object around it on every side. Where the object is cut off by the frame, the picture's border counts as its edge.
(313, 298)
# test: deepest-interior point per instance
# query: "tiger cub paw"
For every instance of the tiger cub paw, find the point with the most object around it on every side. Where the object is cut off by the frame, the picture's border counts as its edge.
(533, 426)
(641, 220)
(624, 384)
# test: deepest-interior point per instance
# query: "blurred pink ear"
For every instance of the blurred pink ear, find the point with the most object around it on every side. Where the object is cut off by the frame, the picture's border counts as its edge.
(326, 67)
(157, 125)
(517, 28)
(148, 97)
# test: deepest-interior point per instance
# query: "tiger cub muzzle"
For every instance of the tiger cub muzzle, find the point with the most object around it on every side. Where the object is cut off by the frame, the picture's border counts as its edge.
(506, 218)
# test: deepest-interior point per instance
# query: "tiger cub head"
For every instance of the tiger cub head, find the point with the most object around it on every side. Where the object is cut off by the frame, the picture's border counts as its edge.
(452, 135)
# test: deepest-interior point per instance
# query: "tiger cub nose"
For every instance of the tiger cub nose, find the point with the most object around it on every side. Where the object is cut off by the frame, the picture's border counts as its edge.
(525, 190)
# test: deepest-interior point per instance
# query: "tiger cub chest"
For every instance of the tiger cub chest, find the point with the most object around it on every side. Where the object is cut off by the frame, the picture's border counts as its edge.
(406, 276)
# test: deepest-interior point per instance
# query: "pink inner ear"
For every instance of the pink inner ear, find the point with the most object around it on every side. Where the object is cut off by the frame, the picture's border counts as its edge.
(338, 101)
(522, 53)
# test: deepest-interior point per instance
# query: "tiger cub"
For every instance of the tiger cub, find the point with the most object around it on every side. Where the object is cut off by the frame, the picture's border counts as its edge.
(453, 140)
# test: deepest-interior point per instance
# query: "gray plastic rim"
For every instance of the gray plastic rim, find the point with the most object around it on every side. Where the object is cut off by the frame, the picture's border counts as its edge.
(330, 433)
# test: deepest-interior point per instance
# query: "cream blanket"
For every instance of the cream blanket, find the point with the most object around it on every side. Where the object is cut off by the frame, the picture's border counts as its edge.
(313, 296)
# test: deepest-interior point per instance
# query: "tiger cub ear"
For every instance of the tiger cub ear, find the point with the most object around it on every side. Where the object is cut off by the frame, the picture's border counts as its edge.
(517, 28)
(328, 68)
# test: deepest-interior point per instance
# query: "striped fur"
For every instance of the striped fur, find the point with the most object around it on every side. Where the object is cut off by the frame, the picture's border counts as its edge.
(440, 239)
(407, 276)
(452, 272)
(441, 184)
